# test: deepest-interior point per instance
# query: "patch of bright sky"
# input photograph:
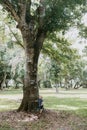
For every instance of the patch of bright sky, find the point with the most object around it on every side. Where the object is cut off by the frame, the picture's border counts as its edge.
(1, 7)
(84, 19)
(77, 42)
(73, 36)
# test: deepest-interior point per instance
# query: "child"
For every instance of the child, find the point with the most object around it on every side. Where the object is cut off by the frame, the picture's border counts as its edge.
(40, 103)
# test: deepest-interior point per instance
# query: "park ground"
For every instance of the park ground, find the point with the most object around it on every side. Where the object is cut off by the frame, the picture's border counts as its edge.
(66, 110)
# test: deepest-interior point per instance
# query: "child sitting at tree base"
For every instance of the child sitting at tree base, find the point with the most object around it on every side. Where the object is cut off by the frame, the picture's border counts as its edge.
(40, 104)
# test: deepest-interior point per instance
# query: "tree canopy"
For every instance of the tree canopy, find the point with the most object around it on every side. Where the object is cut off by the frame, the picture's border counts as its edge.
(50, 15)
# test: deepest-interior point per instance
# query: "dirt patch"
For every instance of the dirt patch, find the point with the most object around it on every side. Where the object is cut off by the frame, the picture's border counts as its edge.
(48, 120)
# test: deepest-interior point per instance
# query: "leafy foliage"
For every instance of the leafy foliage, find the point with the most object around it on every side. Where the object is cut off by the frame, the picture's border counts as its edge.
(58, 48)
(57, 15)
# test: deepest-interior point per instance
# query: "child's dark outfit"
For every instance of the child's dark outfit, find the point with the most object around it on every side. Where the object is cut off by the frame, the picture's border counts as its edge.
(40, 104)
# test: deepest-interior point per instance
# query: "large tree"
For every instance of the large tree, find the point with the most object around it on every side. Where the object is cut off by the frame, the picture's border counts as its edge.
(35, 19)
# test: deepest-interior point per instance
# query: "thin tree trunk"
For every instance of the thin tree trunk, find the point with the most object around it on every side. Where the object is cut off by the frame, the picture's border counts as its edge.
(57, 91)
(0, 86)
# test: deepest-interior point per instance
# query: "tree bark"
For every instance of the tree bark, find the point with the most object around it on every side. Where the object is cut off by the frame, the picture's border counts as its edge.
(1, 87)
(30, 90)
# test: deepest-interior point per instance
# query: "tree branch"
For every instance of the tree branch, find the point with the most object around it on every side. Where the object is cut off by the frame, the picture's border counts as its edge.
(22, 11)
(28, 5)
(18, 41)
(9, 7)
(41, 13)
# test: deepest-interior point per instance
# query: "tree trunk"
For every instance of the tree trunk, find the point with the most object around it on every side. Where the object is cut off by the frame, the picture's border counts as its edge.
(0, 86)
(30, 90)
(56, 82)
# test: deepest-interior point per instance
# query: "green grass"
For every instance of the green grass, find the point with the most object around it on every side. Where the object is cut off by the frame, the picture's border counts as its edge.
(6, 126)
(78, 105)
(54, 102)
(70, 105)
(11, 92)
(6, 104)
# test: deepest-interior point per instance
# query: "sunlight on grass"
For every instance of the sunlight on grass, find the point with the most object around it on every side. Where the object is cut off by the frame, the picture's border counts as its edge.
(11, 92)
(82, 112)
(8, 104)
(72, 104)
(78, 105)
(65, 107)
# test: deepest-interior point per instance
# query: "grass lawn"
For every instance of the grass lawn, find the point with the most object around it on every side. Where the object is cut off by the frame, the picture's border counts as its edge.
(76, 104)
(65, 102)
